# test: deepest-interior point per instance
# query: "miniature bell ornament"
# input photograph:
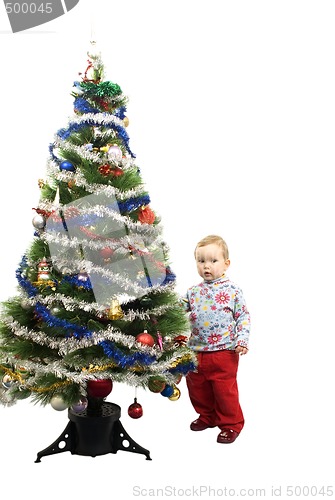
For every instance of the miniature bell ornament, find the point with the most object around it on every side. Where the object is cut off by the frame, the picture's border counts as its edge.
(115, 311)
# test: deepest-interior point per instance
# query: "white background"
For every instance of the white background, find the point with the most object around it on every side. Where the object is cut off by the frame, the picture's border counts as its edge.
(231, 108)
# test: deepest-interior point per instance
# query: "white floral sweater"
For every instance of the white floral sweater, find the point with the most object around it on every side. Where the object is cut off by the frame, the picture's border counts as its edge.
(218, 314)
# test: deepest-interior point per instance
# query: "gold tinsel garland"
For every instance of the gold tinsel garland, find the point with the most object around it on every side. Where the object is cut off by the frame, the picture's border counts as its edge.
(17, 376)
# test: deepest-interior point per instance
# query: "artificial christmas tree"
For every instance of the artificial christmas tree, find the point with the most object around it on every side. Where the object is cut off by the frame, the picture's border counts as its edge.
(96, 302)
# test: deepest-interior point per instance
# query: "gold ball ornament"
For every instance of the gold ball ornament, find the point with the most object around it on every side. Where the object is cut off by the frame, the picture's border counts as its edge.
(175, 395)
(126, 121)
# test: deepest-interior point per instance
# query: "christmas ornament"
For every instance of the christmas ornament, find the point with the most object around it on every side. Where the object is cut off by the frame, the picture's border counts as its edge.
(126, 121)
(114, 152)
(105, 170)
(146, 215)
(39, 221)
(43, 273)
(55, 310)
(67, 166)
(106, 253)
(7, 381)
(58, 403)
(159, 340)
(156, 384)
(180, 340)
(175, 394)
(25, 304)
(97, 132)
(90, 74)
(117, 172)
(99, 388)
(146, 301)
(167, 341)
(65, 270)
(81, 405)
(115, 311)
(167, 391)
(82, 276)
(135, 410)
(21, 370)
(145, 338)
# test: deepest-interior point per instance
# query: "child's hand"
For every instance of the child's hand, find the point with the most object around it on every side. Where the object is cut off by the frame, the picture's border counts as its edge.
(241, 350)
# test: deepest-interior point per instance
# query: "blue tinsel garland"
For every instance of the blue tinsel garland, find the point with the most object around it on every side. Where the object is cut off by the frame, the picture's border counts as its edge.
(53, 321)
(24, 282)
(82, 106)
(74, 280)
(182, 369)
(120, 112)
(123, 360)
(65, 133)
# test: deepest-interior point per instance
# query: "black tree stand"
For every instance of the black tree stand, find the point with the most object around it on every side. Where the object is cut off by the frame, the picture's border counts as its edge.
(94, 431)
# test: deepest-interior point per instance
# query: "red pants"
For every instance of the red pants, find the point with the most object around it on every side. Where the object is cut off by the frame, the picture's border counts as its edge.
(213, 390)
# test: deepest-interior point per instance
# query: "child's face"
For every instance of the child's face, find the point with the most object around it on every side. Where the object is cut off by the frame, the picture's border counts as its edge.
(211, 263)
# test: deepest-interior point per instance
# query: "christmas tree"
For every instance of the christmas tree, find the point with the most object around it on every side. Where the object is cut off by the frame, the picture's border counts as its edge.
(96, 299)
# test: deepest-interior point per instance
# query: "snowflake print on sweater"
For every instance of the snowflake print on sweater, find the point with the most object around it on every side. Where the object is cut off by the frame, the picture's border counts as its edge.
(218, 315)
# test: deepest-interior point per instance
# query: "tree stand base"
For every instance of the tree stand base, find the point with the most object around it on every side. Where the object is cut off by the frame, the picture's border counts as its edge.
(94, 431)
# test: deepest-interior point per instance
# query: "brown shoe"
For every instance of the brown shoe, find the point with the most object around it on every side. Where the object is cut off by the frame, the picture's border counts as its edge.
(227, 436)
(199, 425)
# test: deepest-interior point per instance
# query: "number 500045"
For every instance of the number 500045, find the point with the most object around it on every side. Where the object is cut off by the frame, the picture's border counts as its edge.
(28, 8)
(309, 491)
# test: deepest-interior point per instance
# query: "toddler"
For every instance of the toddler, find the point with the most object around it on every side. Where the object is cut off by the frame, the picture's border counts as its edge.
(220, 324)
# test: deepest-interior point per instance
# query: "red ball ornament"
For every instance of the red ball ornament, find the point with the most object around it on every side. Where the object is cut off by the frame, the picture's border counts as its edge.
(106, 252)
(99, 388)
(145, 338)
(135, 410)
(146, 215)
(117, 172)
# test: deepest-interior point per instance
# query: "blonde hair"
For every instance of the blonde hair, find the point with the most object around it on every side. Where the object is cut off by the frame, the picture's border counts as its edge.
(214, 239)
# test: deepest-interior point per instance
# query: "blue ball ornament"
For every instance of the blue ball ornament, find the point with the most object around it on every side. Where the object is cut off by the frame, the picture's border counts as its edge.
(167, 391)
(68, 166)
